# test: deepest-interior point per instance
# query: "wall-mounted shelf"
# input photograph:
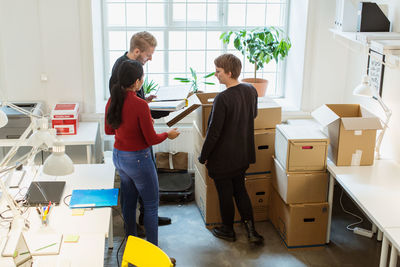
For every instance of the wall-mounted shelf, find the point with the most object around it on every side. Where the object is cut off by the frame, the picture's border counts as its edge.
(386, 43)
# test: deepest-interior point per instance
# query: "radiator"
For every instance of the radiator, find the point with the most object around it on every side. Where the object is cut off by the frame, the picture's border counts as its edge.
(183, 143)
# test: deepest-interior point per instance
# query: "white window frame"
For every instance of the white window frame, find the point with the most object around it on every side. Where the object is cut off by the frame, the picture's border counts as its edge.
(184, 26)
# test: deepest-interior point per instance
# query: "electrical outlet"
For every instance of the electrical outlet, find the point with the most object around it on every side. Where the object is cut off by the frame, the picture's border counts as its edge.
(363, 232)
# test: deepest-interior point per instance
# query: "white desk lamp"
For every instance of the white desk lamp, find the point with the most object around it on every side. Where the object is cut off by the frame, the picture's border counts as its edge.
(365, 89)
(58, 163)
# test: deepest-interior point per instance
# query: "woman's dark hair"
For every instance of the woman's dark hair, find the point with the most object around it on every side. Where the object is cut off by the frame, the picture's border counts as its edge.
(128, 73)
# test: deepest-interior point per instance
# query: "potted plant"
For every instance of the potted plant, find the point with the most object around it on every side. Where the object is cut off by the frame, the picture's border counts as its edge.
(260, 46)
(195, 81)
(149, 86)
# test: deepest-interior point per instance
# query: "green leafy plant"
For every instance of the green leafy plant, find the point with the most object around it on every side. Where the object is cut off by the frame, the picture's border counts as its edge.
(260, 45)
(194, 80)
(149, 86)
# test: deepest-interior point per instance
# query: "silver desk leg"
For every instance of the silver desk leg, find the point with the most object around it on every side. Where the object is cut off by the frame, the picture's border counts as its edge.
(89, 153)
(379, 235)
(330, 202)
(384, 252)
(111, 233)
(393, 257)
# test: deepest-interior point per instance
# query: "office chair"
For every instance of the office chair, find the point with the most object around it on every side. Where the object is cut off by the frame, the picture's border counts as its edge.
(142, 253)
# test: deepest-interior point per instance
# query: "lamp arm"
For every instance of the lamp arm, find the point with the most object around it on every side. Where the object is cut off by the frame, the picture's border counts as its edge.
(388, 114)
(23, 111)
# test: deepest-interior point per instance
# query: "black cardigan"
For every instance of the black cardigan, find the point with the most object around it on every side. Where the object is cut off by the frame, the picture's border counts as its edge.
(229, 143)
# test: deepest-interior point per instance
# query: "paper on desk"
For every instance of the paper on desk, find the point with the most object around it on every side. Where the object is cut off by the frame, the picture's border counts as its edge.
(170, 93)
(43, 243)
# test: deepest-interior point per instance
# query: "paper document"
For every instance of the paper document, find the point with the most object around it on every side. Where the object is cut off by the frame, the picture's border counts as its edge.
(167, 105)
(43, 243)
(169, 93)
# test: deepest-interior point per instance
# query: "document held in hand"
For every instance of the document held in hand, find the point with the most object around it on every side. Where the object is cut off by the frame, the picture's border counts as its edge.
(172, 93)
(167, 105)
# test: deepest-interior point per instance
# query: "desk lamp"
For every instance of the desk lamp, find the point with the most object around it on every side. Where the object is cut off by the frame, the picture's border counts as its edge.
(41, 139)
(365, 89)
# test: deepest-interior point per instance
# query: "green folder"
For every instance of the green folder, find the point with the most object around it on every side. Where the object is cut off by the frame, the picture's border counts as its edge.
(94, 198)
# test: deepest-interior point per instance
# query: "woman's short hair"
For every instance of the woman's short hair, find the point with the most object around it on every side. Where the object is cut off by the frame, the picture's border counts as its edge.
(230, 63)
(142, 41)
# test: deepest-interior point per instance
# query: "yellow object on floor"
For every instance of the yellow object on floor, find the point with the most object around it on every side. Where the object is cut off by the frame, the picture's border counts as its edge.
(142, 253)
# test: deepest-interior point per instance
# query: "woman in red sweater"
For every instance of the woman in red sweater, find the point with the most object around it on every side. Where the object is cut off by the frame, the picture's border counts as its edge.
(128, 118)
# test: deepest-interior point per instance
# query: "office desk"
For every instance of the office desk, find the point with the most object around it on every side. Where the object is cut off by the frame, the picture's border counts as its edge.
(393, 236)
(93, 227)
(86, 135)
(375, 189)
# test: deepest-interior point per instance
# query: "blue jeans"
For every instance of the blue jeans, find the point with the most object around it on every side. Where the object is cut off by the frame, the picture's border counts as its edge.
(138, 177)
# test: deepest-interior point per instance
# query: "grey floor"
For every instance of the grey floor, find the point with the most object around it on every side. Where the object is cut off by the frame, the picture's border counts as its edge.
(191, 244)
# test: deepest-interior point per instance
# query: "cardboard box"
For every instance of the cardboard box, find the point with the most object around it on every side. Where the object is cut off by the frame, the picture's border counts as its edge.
(259, 191)
(352, 133)
(294, 187)
(299, 225)
(269, 114)
(198, 138)
(300, 148)
(264, 141)
(65, 118)
(206, 197)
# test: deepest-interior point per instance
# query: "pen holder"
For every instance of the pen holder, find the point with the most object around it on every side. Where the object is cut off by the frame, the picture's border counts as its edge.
(44, 214)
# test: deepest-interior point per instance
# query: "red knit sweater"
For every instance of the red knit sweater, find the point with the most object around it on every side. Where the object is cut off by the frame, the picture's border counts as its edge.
(136, 131)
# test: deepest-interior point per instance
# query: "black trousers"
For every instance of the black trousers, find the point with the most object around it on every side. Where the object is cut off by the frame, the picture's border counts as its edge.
(229, 188)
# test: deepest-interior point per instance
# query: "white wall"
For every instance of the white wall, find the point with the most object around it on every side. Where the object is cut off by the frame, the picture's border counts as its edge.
(49, 37)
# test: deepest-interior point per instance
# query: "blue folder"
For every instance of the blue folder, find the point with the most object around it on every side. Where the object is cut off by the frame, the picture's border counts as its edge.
(94, 198)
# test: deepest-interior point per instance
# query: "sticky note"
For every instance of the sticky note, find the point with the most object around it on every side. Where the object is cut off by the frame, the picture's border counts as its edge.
(71, 238)
(78, 212)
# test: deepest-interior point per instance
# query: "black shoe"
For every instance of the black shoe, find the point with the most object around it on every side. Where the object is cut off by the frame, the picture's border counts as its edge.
(252, 235)
(140, 231)
(161, 220)
(224, 232)
(164, 220)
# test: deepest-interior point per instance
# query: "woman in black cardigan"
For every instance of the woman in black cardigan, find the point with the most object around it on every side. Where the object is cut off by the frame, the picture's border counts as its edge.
(229, 147)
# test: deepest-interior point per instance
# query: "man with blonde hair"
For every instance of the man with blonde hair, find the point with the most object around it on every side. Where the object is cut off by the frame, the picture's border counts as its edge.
(142, 46)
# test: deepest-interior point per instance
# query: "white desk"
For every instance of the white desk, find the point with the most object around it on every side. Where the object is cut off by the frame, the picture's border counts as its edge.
(93, 227)
(86, 135)
(393, 236)
(375, 189)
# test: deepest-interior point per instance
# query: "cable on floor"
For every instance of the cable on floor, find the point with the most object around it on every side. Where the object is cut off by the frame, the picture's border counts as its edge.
(348, 227)
(125, 237)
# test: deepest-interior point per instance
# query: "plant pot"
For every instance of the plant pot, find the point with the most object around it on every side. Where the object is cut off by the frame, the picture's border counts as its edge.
(259, 84)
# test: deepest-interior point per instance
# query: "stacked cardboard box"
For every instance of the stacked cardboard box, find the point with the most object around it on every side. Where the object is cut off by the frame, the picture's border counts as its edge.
(298, 207)
(352, 131)
(258, 178)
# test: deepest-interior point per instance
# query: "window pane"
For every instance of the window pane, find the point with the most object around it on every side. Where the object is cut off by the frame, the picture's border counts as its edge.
(179, 12)
(213, 41)
(157, 63)
(114, 55)
(171, 80)
(212, 15)
(196, 60)
(236, 14)
(256, 15)
(115, 14)
(157, 78)
(177, 61)
(196, 40)
(117, 40)
(211, 55)
(196, 12)
(155, 15)
(136, 15)
(177, 40)
(274, 15)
